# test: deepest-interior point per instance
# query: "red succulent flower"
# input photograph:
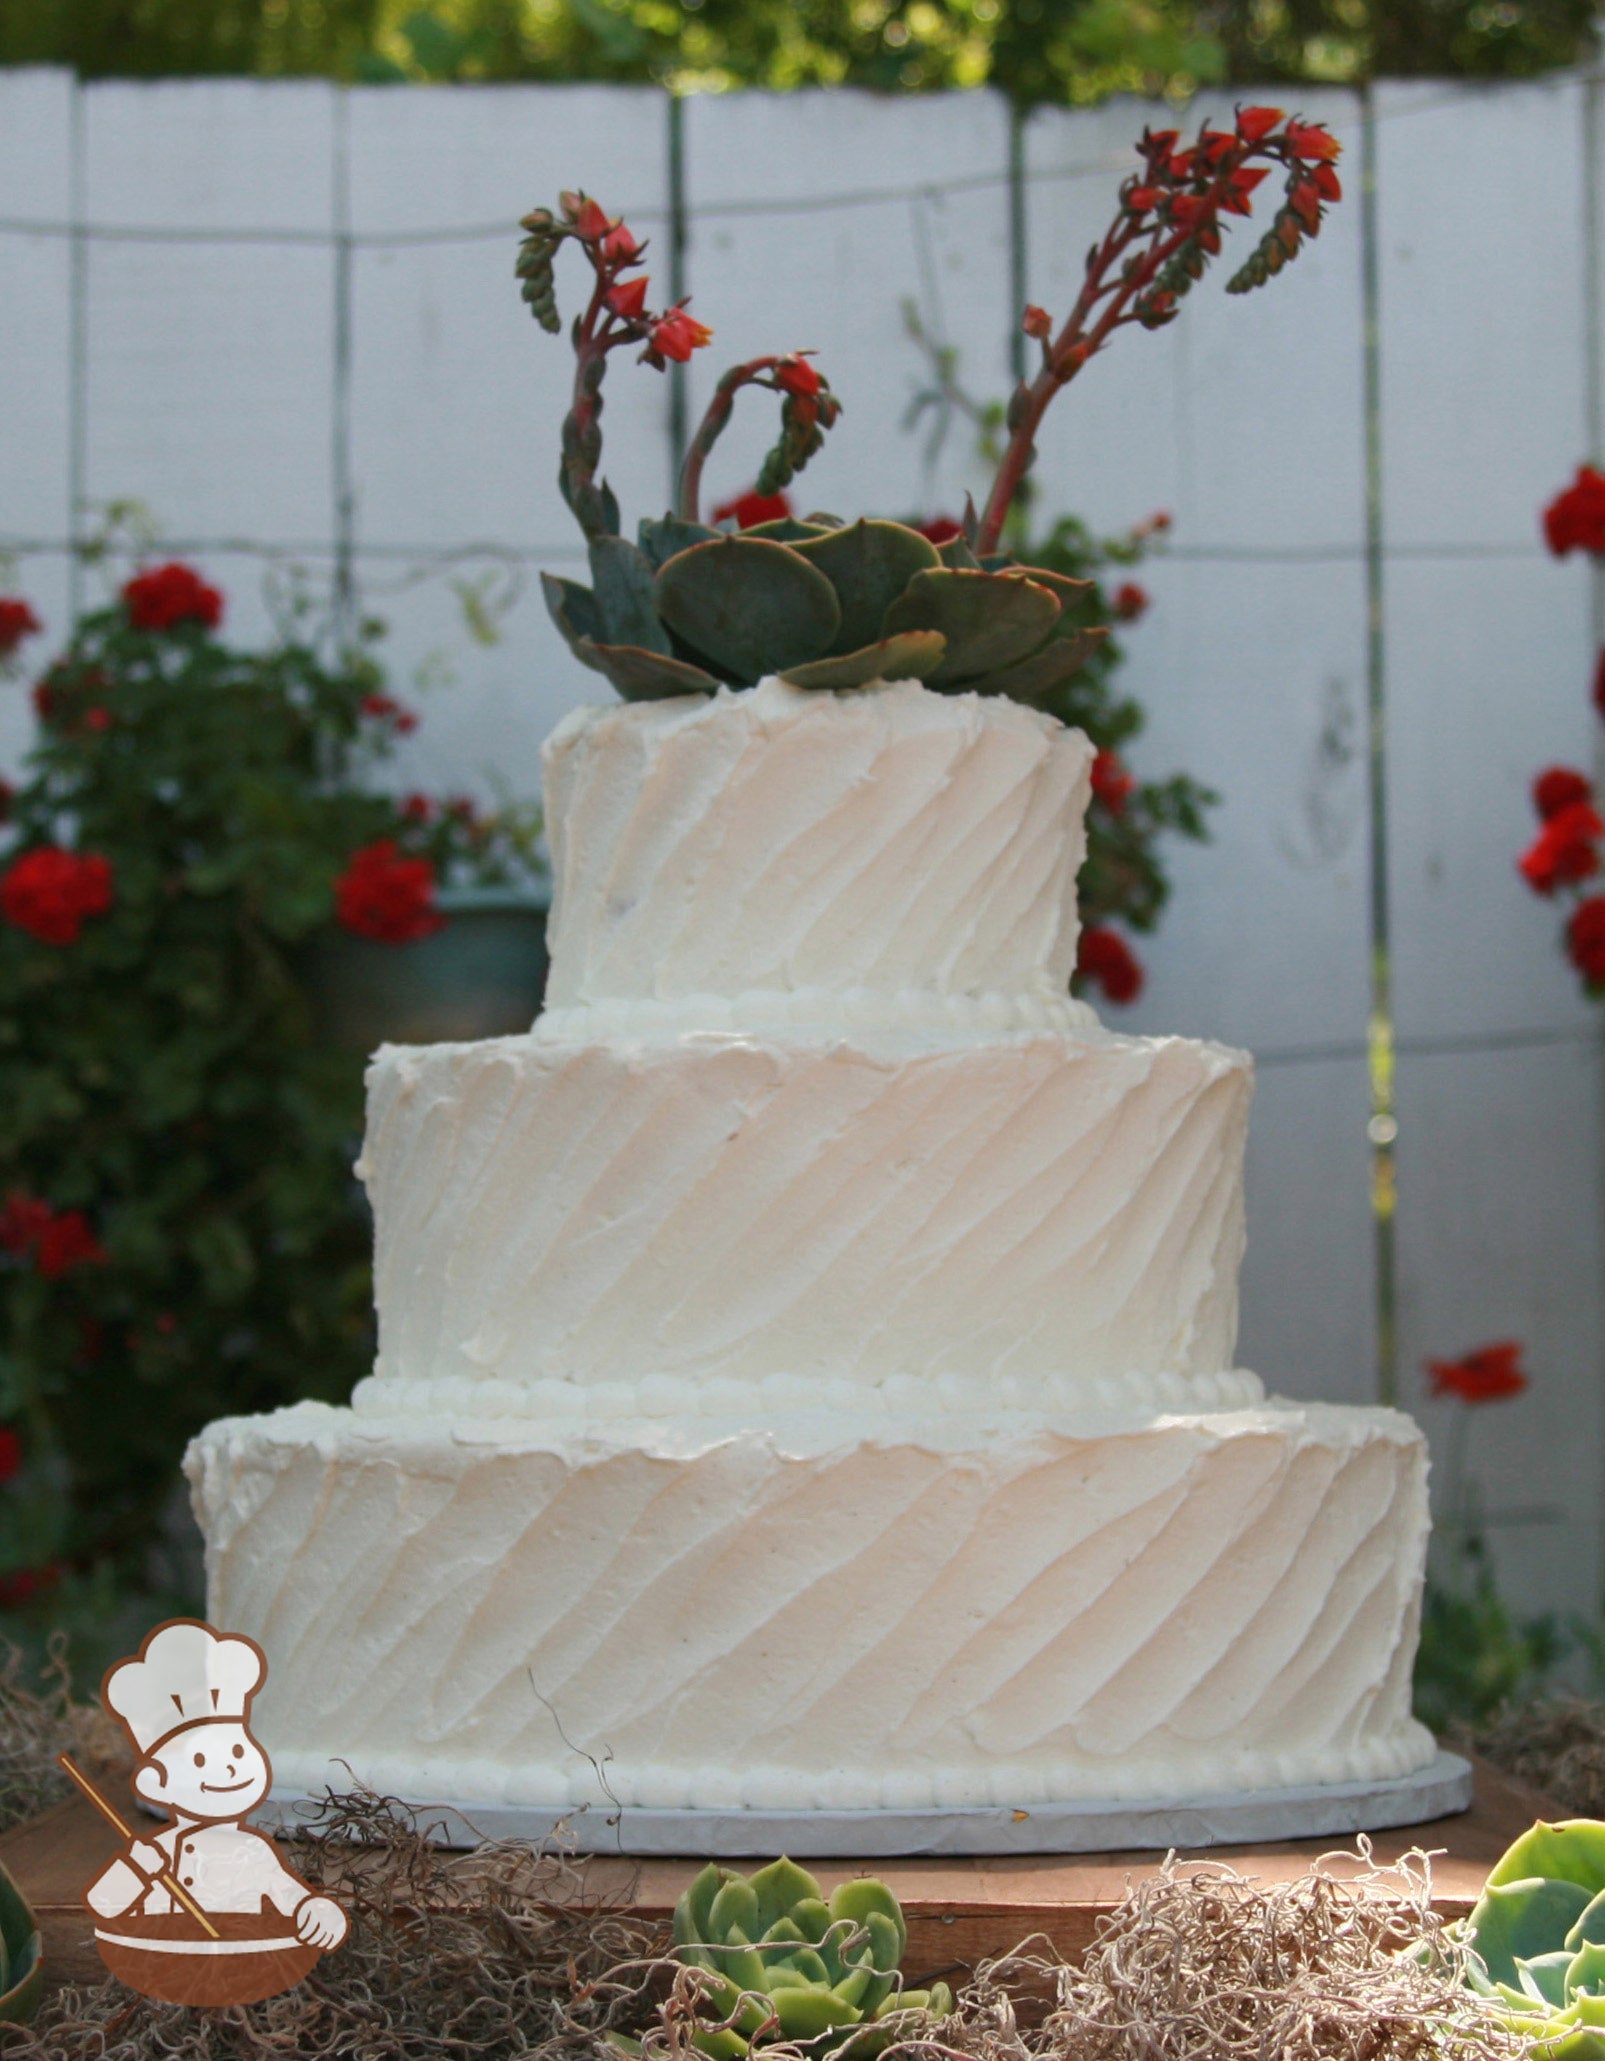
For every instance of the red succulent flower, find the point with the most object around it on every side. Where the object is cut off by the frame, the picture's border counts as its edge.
(628, 297)
(17, 620)
(1104, 956)
(171, 594)
(1565, 850)
(1560, 787)
(1489, 1374)
(619, 247)
(49, 892)
(593, 221)
(676, 335)
(1111, 783)
(1037, 321)
(1585, 940)
(67, 1241)
(1254, 124)
(384, 896)
(1575, 519)
(751, 508)
(1313, 142)
(1130, 601)
(384, 708)
(796, 375)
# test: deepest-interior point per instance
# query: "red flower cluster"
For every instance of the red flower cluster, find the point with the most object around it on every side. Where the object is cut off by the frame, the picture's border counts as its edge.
(59, 1240)
(1105, 957)
(1585, 940)
(1130, 601)
(1489, 1374)
(1575, 519)
(171, 594)
(384, 896)
(1566, 849)
(17, 620)
(385, 708)
(752, 507)
(48, 892)
(1111, 783)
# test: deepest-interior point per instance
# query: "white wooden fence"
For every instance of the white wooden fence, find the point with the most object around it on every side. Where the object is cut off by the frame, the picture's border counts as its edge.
(282, 317)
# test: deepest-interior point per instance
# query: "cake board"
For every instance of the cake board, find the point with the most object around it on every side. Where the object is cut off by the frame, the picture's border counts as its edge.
(1439, 1790)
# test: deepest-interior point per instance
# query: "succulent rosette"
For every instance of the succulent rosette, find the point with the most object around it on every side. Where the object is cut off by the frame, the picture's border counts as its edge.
(786, 1964)
(1536, 1940)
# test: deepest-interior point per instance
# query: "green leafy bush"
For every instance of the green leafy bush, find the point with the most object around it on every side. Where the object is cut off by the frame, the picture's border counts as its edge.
(180, 1233)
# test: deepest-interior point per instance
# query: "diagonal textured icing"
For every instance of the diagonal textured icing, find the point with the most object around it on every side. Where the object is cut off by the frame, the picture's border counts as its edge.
(733, 1209)
(780, 840)
(1190, 1603)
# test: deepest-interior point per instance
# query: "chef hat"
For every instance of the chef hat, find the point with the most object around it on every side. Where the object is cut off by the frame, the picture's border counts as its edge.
(185, 1674)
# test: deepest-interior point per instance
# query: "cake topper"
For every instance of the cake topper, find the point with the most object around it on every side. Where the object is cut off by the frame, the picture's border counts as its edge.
(203, 1911)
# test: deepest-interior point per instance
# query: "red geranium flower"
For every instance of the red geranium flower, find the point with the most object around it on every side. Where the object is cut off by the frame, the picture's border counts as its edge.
(1575, 519)
(22, 1218)
(49, 892)
(17, 620)
(171, 594)
(1490, 1374)
(751, 508)
(1104, 956)
(1585, 940)
(1564, 850)
(941, 529)
(68, 1241)
(10, 1454)
(676, 335)
(1130, 601)
(387, 897)
(1560, 787)
(1111, 783)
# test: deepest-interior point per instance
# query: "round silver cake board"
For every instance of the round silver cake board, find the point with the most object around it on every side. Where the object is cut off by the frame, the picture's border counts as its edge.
(1338, 1808)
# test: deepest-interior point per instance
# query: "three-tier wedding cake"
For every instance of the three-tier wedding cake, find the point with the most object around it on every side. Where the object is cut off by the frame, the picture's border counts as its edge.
(805, 1358)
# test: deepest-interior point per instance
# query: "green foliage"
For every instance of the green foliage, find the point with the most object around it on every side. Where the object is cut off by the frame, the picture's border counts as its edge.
(1035, 50)
(1474, 1656)
(1537, 1938)
(786, 1965)
(159, 1074)
(825, 605)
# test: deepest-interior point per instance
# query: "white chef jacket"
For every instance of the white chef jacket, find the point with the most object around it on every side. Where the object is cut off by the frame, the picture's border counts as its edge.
(225, 1867)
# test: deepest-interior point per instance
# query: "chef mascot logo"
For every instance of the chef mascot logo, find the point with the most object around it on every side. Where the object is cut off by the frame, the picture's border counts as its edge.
(203, 1911)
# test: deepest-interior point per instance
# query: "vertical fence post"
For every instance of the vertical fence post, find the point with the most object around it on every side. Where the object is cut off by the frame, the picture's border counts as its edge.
(345, 500)
(677, 232)
(1383, 1128)
(1019, 279)
(77, 352)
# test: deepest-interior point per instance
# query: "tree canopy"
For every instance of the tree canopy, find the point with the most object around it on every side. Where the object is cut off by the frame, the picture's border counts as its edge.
(1035, 50)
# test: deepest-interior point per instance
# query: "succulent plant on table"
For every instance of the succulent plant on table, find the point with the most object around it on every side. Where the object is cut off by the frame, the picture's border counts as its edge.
(1536, 1940)
(832, 604)
(783, 1962)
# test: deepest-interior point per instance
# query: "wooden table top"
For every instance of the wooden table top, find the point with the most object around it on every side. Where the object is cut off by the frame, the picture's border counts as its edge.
(958, 1911)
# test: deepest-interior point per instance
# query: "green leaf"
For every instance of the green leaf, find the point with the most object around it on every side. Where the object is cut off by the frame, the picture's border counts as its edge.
(1572, 1850)
(990, 621)
(696, 1902)
(957, 554)
(1072, 594)
(622, 576)
(575, 611)
(786, 529)
(805, 2013)
(865, 1899)
(1543, 1977)
(869, 565)
(1590, 1926)
(663, 539)
(735, 1908)
(645, 675)
(1518, 1920)
(1585, 1970)
(1035, 679)
(914, 655)
(780, 1885)
(748, 606)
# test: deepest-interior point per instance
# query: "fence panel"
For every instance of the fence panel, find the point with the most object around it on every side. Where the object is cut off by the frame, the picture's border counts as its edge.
(36, 339)
(1485, 386)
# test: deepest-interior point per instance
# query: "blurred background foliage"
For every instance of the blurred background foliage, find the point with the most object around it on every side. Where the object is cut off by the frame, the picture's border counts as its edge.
(1035, 50)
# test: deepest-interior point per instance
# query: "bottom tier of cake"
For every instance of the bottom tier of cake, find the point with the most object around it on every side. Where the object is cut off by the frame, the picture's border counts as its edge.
(811, 1619)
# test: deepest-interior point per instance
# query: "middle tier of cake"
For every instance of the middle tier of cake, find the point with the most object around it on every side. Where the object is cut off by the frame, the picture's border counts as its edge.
(713, 1223)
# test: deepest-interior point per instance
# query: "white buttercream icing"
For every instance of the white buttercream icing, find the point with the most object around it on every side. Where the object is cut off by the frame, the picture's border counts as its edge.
(810, 1619)
(779, 839)
(1063, 1208)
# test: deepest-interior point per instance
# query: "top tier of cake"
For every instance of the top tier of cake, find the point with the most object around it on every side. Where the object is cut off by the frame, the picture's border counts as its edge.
(816, 851)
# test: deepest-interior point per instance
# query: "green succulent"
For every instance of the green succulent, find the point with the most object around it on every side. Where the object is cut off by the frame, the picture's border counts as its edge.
(823, 603)
(787, 1965)
(1537, 1939)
